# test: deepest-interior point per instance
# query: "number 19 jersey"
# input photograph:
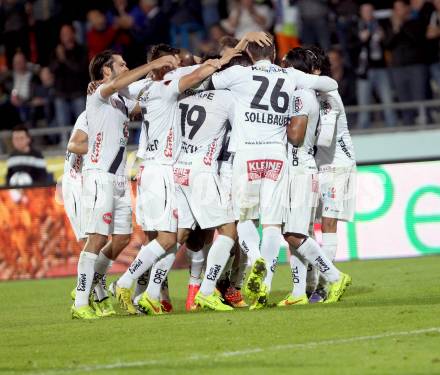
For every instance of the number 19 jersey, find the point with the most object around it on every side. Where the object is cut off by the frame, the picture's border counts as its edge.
(203, 118)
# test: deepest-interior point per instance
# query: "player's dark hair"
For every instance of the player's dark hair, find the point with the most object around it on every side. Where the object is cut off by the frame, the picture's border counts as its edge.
(99, 61)
(21, 128)
(243, 60)
(320, 60)
(209, 56)
(256, 52)
(300, 59)
(227, 42)
(162, 49)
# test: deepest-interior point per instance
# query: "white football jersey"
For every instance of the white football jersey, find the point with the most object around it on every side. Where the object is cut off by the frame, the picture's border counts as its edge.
(262, 95)
(305, 103)
(73, 162)
(108, 121)
(225, 155)
(203, 119)
(160, 137)
(341, 151)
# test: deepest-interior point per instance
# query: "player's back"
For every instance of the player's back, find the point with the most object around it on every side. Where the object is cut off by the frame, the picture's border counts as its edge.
(202, 118)
(159, 138)
(341, 150)
(262, 93)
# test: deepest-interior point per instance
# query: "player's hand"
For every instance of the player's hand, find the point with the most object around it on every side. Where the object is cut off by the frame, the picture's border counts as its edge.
(260, 37)
(92, 86)
(229, 55)
(166, 61)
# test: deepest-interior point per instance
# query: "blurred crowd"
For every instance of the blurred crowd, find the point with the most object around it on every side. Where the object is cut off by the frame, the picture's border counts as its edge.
(381, 51)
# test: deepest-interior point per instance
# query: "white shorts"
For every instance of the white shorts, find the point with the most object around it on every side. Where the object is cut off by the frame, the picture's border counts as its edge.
(71, 190)
(225, 171)
(156, 206)
(202, 199)
(337, 190)
(106, 203)
(259, 183)
(302, 201)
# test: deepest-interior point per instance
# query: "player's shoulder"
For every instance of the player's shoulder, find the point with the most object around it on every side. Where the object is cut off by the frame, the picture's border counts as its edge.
(307, 96)
(81, 122)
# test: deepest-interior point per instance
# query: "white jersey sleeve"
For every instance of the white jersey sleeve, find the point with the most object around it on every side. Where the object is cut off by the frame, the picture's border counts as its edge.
(135, 89)
(312, 81)
(81, 123)
(340, 153)
(304, 103)
(226, 78)
(73, 162)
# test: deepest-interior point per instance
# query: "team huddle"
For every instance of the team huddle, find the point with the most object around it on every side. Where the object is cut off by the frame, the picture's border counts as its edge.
(226, 144)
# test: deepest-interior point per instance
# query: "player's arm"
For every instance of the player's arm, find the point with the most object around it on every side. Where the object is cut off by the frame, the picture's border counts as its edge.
(78, 142)
(126, 78)
(205, 70)
(313, 81)
(296, 130)
(327, 119)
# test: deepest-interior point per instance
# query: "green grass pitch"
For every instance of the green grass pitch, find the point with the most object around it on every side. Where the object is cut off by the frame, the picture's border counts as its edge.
(387, 323)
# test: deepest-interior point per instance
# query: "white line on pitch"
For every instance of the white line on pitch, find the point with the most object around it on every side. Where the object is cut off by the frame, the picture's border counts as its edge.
(238, 353)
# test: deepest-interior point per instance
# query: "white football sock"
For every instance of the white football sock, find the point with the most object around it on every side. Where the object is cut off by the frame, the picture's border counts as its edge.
(196, 260)
(270, 247)
(217, 258)
(249, 239)
(298, 265)
(141, 286)
(86, 270)
(238, 273)
(330, 245)
(102, 265)
(147, 256)
(313, 253)
(159, 273)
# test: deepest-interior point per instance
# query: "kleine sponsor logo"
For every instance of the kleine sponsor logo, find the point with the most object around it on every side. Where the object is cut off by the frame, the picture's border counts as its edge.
(168, 152)
(107, 217)
(211, 150)
(96, 148)
(264, 168)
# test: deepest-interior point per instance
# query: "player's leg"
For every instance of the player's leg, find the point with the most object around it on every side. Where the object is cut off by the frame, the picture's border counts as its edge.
(195, 244)
(97, 215)
(309, 249)
(233, 295)
(249, 239)
(212, 209)
(142, 281)
(272, 202)
(298, 266)
(217, 258)
(157, 194)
